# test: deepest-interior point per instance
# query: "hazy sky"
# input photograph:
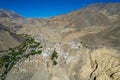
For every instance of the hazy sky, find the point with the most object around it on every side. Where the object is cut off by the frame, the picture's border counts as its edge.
(46, 8)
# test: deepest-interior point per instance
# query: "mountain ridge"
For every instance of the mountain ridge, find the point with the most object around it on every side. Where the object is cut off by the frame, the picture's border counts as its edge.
(9, 14)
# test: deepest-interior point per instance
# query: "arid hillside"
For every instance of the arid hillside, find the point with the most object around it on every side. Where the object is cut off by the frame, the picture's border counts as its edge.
(96, 22)
(80, 45)
(8, 39)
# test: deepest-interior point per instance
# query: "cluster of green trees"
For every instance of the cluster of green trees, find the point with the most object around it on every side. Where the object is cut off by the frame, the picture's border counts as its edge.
(27, 48)
(54, 56)
(14, 55)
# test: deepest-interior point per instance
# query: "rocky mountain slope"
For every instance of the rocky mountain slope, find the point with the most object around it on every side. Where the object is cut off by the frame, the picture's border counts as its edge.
(8, 39)
(10, 19)
(95, 17)
(81, 45)
(9, 14)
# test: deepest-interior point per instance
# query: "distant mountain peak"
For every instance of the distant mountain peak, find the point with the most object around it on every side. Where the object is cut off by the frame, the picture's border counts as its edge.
(9, 14)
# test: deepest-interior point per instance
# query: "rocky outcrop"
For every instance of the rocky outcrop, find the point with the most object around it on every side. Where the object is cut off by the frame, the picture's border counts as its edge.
(106, 64)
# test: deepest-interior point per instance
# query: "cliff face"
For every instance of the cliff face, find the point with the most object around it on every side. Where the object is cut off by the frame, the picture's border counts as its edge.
(87, 43)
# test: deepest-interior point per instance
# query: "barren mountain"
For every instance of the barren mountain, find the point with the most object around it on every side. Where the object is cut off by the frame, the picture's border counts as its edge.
(9, 14)
(91, 20)
(108, 37)
(81, 45)
(11, 20)
(8, 39)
